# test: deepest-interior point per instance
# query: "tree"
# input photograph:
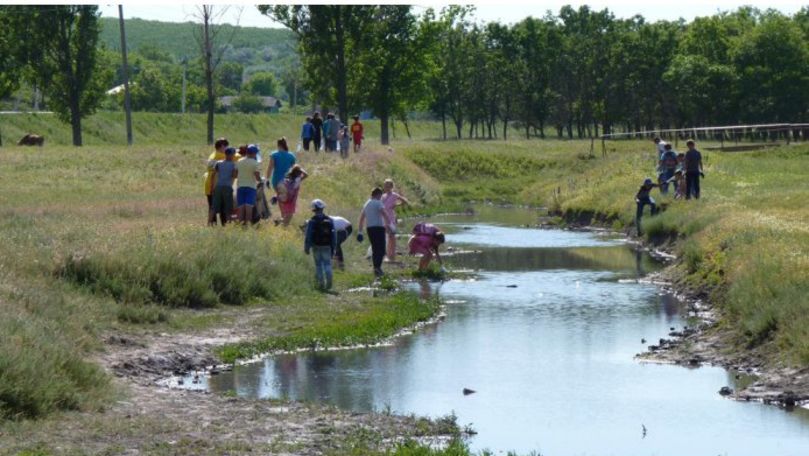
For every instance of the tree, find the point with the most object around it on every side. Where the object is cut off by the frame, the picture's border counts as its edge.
(230, 76)
(262, 83)
(9, 66)
(330, 37)
(61, 49)
(248, 103)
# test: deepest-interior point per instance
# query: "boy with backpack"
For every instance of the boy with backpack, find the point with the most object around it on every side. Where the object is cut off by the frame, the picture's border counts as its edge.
(321, 240)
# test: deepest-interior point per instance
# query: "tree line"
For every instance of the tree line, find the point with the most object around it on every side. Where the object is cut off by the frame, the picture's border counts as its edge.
(578, 73)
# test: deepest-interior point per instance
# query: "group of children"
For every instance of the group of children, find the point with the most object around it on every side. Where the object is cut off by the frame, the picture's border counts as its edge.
(682, 170)
(314, 129)
(324, 235)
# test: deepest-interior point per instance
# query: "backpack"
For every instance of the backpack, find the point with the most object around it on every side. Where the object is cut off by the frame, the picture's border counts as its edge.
(322, 230)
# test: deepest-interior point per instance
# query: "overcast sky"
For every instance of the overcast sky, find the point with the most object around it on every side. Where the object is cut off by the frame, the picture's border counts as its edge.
(505, 11)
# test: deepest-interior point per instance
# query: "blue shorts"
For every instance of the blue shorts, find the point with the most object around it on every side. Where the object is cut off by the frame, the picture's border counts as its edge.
(245, 196)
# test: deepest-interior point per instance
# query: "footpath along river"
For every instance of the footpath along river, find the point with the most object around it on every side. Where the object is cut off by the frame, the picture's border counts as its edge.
(546, 336)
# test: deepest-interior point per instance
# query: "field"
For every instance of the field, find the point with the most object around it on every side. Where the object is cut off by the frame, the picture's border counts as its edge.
(107, 241)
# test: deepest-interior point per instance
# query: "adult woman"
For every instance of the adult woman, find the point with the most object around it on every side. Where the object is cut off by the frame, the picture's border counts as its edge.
(425, 241)
(390, 200)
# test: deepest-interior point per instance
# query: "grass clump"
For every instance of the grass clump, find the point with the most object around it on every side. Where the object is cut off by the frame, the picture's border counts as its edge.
(370, 321)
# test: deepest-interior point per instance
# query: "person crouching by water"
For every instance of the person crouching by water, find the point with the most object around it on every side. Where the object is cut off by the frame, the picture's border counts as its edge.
(642, 198)
(378, 222)
(425, 241)
(288, 193)
(321, 239)
(343, 229)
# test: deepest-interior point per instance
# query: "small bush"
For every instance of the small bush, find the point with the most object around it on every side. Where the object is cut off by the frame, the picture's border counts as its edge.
(140, 314)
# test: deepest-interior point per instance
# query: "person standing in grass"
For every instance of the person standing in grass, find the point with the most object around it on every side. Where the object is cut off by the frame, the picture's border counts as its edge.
(344, 141)
(210, 175)
(307, 133)
(373, 213)
(317, 130)
(248, 178)
(668, 163)
(226, 172)
(333, 132)
(321, 240)
(326, 133)
(288, 193)
(426, 240)
(280, 162)
(693, 170)
(343, 229)
(357, 133)
(390, 200)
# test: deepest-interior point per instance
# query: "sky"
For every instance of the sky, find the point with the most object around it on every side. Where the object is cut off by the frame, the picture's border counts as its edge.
(505, 11)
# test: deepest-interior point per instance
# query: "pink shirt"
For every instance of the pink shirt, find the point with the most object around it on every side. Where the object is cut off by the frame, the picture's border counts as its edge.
(389, 201)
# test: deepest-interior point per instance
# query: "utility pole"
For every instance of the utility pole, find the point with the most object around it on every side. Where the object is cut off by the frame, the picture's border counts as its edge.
(184, 61)
(127, 100)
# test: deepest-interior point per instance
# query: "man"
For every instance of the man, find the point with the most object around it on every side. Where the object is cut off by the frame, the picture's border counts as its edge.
(321, 240)
(247, 180)
(334, 131)
(317, 127)
(357, 131)
(378, 222)
(343, 229)
(693, 170)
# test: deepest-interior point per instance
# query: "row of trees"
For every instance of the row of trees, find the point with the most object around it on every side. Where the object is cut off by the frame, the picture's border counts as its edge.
(580, 73)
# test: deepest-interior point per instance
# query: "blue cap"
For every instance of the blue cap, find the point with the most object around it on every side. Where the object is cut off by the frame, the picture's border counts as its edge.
(648, 182)
(253, 149)
(230, 151)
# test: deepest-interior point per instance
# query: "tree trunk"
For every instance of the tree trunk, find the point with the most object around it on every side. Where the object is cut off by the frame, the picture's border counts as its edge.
(505, 129)
(206, 20)
(127, 99)
(342, 84)
(444, 125)
(407, 128)
(542, 129)
(383, 129)
(459, 127)
(75, 122)
(527, 131)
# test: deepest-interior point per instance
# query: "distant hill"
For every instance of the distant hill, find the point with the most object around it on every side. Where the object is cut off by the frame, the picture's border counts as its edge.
(250, 46)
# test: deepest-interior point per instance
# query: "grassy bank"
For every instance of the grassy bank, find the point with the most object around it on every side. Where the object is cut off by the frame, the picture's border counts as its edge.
(744, 245)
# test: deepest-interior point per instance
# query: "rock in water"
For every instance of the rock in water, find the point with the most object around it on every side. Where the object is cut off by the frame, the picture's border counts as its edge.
(725, 391)
(467, 391)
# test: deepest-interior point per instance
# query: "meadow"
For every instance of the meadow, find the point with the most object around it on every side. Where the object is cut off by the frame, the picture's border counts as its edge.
(108, 239)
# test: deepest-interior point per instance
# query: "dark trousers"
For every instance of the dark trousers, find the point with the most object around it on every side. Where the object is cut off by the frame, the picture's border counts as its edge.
(342, 235)
(316, 140)
(692, 184)
(306, 142)
(664, 185)
(376, 235)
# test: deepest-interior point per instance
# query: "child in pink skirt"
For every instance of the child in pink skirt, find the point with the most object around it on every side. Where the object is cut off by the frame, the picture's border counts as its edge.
(288, 193)
(425, 241)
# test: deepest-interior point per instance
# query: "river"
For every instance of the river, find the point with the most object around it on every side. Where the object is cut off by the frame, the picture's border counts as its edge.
(546, 336)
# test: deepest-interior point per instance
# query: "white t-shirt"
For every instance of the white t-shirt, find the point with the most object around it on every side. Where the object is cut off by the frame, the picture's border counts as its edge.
(340, 224)
(661, 147)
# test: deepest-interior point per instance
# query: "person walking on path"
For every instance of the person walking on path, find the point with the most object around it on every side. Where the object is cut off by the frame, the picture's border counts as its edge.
(643, 198)
(425, 241)
(343, 229)
(357, 133)
(693, 170)
(210, 174)
(373, 213)
(288, 193)
(390, 200)
(321, 239)
(223, 191)
(248, 178)
(326, 127)
(344, 139)
(317, 130)
(280, 162)
(307, 133)
(333, 132)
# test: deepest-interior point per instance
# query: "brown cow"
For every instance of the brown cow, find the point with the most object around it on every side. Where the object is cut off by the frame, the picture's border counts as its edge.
(32, 140)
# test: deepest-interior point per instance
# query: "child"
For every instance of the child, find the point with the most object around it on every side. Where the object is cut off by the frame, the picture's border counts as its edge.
(248, 178)
(390, 200)
(425, 241)
(668, 161)
(217, 155)
(288, 193)
(357, 131)
(378, 222)
(344, 142)
(321, 239)
(343, 229)
(226, 172)
(642, 198)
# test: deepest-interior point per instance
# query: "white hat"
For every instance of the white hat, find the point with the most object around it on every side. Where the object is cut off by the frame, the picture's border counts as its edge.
(318, 205)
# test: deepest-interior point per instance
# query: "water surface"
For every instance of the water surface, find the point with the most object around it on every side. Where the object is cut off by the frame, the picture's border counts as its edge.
(546, 337)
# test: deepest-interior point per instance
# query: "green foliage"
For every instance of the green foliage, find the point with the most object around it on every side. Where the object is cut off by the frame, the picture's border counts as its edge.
(230, 75)
(262, 83)
(249, 104)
